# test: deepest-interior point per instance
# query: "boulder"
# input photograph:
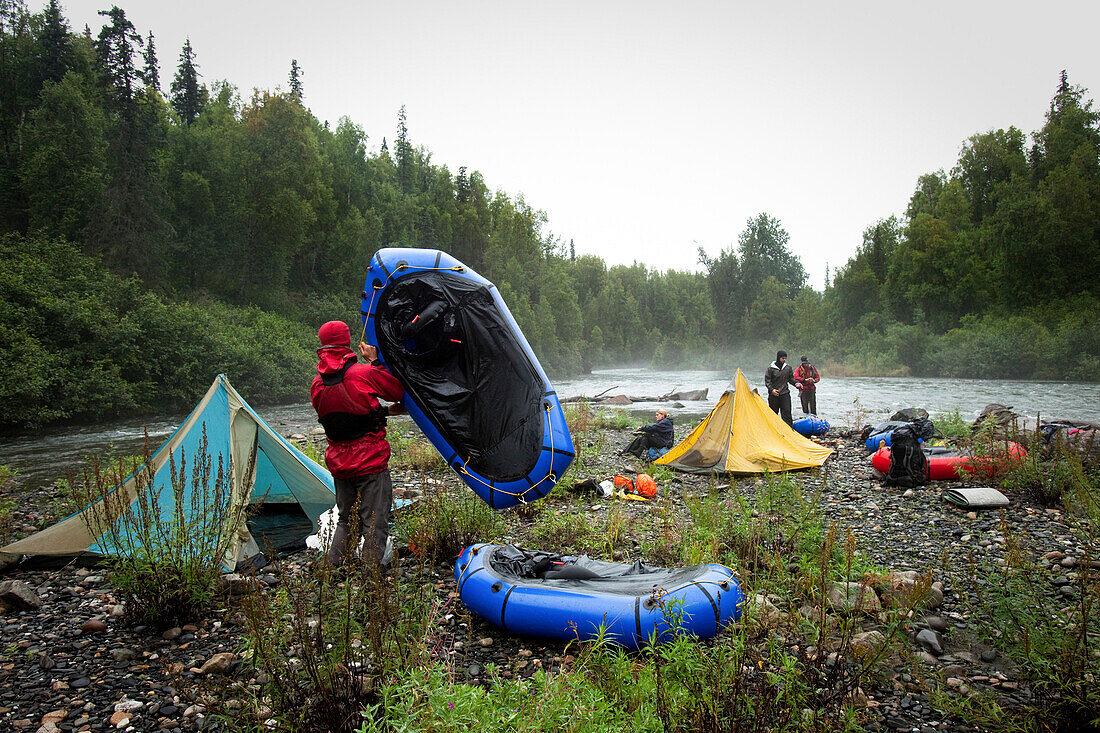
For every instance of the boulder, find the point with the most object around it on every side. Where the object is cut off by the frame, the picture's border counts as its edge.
(906, 587)
(765, 613)
(909, 414)
(8, 560)
(868, 643)
(217, 664)
(849, 597)
(18, 596)
(619, 399)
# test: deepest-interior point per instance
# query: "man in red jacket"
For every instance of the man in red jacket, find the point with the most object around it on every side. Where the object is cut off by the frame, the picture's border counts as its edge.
(807, 377)
(345, 394)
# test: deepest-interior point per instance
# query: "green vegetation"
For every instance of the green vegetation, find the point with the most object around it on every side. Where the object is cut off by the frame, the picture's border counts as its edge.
(364, 652)
(165, 546)
(233, 226)
(9, 479)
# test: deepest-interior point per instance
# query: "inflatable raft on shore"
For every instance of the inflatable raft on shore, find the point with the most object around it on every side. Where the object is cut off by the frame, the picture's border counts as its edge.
(946, 464)
(811, 425)
(569, 597)
(472, 382)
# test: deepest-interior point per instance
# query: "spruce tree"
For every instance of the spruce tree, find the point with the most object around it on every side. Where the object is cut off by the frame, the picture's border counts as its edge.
(295, 80)
(188, 98)
(403, 151)
(55, 43)
(152, 70)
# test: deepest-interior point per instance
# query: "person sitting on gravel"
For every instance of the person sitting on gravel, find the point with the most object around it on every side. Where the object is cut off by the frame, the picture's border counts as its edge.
(656, 435)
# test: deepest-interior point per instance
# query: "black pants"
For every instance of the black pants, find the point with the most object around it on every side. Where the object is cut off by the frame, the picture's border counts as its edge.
(809, 401)
(781, 405)
(641, 444)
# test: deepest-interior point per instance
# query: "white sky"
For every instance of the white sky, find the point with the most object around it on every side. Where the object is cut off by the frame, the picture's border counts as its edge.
(646, 129)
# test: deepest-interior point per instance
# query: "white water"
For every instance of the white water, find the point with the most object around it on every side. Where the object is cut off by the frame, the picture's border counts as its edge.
(43, 456)
(878, 397)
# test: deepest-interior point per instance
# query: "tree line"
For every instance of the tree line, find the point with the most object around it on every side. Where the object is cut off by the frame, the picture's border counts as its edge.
(156, 232)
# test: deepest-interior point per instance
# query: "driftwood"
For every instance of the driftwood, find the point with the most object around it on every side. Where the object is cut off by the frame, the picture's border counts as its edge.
(622, 399)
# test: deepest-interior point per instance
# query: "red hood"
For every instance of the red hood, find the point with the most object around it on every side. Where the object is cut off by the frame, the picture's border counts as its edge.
(333, 358)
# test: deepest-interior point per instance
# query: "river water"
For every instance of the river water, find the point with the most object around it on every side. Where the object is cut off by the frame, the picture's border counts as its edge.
(43, 456)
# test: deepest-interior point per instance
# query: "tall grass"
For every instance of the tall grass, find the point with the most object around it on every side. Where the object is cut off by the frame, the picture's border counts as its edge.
(165, 545)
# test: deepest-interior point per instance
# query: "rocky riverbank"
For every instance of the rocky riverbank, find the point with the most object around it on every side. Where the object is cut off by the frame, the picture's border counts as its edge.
(70, 663)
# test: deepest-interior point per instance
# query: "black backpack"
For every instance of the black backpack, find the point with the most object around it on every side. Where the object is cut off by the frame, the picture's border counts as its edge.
(908, 464)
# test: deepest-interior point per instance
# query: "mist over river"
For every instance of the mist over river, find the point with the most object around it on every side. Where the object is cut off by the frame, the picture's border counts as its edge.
(41, 457)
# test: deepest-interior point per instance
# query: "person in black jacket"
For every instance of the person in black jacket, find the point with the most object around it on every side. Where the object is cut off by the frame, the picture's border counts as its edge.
(655, 435)
(777, 378)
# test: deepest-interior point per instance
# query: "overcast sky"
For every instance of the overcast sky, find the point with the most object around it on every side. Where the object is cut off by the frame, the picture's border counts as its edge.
(647, 129)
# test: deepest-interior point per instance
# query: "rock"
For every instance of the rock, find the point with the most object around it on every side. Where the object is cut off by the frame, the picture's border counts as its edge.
(128, 705)
(80, 683)
(118, 610)
(486, 641)
(848, 597)
(1054, 556)
(7, 560)
(218, 663)
(120, 718)
(619, 399)
(765, 613)
(930, 640)
(936, 623)
(122, 654)
(45, 661)
(54, 716)
(18, 596)
(905, 588)
(239, 585)
(93, 626)
(868, 643)
(172, 634)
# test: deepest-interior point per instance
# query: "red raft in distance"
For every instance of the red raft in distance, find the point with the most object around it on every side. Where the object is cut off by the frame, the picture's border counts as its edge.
(946, 464)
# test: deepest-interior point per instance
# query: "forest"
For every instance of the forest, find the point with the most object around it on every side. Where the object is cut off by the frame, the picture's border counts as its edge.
(156, 232)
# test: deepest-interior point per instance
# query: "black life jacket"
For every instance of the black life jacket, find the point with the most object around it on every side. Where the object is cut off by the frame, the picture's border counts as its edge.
(342, 426)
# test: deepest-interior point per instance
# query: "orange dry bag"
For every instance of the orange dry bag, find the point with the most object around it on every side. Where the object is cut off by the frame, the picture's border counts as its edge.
(622, 482)
(646, 486)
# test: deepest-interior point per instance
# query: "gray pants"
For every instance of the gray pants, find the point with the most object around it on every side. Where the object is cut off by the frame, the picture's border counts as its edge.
(364, 506)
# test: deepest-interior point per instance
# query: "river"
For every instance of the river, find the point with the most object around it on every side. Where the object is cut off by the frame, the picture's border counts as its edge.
(41, 457)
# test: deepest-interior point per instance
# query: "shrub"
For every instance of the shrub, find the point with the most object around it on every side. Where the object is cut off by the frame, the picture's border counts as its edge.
(411, 450)
(445, 521)
(164, 545)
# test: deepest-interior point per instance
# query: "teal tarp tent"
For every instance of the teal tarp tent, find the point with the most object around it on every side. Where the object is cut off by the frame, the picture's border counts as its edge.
(281, 475)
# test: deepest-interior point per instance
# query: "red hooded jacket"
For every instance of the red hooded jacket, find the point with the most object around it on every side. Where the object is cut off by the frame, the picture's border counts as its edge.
(351, 398)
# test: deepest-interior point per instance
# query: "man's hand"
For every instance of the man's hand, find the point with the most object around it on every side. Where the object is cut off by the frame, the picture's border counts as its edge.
(368, 352)
(775, 392)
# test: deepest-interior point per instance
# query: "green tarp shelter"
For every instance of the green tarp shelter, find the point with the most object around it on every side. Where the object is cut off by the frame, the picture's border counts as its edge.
(280, 475)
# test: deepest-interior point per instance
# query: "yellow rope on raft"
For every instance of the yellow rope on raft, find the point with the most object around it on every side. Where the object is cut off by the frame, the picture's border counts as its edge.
(519, 495)
(389, 276)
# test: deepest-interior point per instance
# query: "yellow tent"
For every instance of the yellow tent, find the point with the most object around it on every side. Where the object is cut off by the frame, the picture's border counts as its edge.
(742, 435)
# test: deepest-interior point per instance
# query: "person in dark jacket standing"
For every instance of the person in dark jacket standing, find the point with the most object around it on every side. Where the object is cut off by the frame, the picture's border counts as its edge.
(346, 396)
(654, 435)
(807, 377)
(777, 378)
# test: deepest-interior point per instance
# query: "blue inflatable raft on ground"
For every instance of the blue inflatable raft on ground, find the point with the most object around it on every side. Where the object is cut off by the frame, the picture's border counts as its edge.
(472, 383)
(811, 425)
(569, 597)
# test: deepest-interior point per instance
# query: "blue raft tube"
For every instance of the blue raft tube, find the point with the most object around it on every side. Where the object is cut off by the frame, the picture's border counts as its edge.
(811, 425)
(473, 385)
(575, 597)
